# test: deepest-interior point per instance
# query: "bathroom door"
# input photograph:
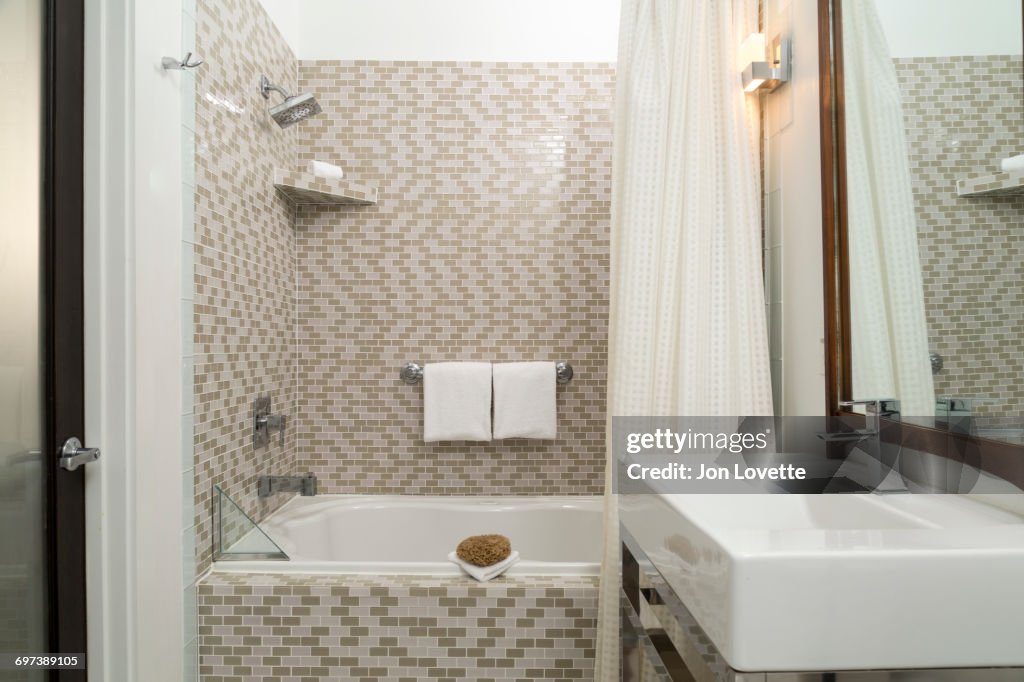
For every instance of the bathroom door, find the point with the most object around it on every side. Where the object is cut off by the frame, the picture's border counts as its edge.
(42, 505)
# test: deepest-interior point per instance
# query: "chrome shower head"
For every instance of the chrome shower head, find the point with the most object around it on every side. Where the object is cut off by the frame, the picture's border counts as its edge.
(293, 109)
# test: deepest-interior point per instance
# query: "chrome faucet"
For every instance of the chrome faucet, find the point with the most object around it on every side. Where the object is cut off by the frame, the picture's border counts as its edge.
(870, 441)
(269, 485)
(876, 408)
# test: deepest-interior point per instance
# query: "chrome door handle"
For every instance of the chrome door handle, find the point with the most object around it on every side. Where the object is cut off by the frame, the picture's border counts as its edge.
(73, 455)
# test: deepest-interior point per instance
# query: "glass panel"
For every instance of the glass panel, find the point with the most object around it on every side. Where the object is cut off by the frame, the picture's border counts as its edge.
(236, 536)
(23, 623)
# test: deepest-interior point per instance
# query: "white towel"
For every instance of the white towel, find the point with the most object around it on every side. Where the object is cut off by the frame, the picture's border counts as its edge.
(326, 170)
(457, 401)
(485, 573)
(524, 400)
(1014, 163)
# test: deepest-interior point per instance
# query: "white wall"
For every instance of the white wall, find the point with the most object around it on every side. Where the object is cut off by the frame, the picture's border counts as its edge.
(285, 14)
(793, 242)
(450, 30)
(189, 595)
(937, 28)
(133, 344)
(587, 30)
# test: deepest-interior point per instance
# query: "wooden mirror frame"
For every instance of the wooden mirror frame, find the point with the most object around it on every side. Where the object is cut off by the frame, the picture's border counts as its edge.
(999, 458)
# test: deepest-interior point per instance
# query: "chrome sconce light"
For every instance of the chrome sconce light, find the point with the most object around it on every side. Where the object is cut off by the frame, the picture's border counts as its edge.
(760, 75)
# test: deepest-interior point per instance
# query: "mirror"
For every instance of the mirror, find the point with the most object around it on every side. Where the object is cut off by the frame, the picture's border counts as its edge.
(930, 112)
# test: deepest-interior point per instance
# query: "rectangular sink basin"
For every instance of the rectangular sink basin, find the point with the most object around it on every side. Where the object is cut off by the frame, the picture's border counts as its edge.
(841, 582)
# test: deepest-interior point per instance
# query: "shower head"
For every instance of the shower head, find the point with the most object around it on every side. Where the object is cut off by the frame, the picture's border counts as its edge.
(293, 109)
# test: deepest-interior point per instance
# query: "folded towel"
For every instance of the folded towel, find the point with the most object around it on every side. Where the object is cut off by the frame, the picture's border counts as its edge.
(457, 401)
(485, 573)
(326, 170)
(1014, 163)
(524, 400)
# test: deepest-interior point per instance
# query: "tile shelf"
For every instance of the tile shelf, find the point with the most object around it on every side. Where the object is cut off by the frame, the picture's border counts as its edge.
(306, 188)
(991, 185)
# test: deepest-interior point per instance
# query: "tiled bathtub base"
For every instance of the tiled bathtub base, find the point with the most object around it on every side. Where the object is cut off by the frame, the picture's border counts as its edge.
(302, 628)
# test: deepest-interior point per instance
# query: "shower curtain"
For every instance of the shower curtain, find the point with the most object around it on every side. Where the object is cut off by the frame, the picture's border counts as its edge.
(890, 333)
(687, 332)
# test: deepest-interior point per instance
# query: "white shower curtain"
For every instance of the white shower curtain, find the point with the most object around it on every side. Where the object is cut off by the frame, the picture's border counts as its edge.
(687, 333)
(890, 334)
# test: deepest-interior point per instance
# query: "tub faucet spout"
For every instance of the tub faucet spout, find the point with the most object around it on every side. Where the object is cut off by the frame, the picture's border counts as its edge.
(305, 485)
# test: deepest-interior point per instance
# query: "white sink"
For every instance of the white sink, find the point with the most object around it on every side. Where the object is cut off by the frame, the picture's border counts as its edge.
(842, 582)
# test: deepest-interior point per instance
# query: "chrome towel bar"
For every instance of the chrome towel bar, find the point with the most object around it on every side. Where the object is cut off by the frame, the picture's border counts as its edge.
(412, 373)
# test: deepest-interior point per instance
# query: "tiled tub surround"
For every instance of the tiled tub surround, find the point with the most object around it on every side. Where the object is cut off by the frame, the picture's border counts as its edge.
(964, 114)
(257, 627)
(489, 242)
(244, 259)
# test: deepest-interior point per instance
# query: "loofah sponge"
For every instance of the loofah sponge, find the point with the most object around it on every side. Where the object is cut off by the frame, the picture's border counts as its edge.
(484, 550)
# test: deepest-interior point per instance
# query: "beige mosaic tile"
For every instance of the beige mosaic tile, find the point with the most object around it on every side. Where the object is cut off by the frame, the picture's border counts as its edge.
(991, 184)
(964, 114)
(489, 241)
(295, 628)
(245, 259)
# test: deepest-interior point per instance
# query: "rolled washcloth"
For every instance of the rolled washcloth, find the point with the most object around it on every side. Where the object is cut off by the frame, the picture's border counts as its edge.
(524, 400)
(1014, 163)
(484, 557)
(326, 170)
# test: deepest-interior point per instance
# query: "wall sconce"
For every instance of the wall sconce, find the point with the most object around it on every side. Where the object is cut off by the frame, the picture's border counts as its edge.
(760, 75)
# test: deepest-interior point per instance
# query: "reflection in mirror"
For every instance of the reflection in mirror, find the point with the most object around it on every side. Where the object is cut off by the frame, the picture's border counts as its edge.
(934, 114)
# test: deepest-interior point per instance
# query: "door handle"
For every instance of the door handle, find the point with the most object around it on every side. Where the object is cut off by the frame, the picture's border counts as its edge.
(73, 455)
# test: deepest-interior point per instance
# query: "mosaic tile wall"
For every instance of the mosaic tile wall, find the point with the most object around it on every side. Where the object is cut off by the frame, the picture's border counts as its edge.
(400, 629)
(244, 258)
(964, 114)
(489, 242)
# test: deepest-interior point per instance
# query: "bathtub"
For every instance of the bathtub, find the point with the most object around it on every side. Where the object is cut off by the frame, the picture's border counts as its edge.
(412, 535)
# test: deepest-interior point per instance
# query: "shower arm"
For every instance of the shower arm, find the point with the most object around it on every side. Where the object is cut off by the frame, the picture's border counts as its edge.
(266, 86)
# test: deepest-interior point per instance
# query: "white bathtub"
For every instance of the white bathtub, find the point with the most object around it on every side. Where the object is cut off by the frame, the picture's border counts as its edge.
(412, 535)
